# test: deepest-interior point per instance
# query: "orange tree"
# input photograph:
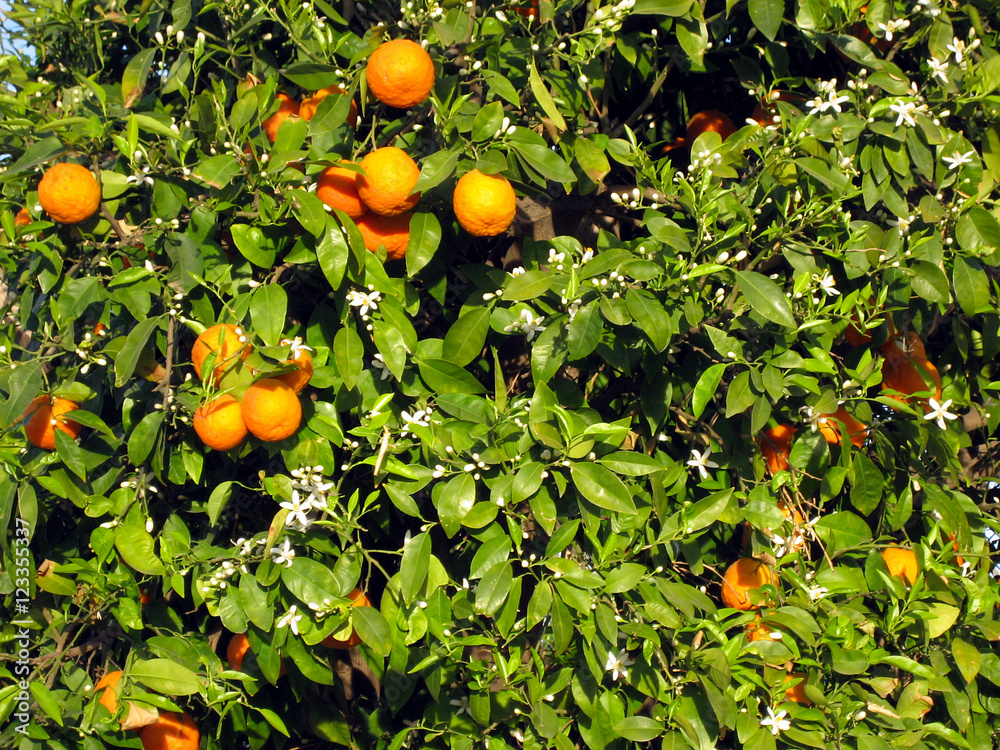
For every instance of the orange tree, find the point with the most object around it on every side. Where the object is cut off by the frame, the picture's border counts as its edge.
(497, 505)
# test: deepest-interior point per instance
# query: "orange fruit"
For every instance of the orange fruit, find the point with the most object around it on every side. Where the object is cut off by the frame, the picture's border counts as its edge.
(219, 423)
(797, 692)
(400, 73)
(45, 415)
(909, 346)
(105, 688)
(830, 427)
(529, 11)
(271, 410)
(172, 731)
(338, 187)
(358, 599)
(69, 193)
(237, 649)
(307, 110)
(387, 181)
(709, 120)
(758, 631)
(902, 563)
(22, 218)
(229, 344)
(286, 108)
(300, 357)
(391, 231)
(484, 204)
(742, 576)
(909, 375)
(776, 446)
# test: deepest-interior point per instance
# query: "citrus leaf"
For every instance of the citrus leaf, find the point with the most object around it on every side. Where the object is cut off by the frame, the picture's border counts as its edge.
(766, 297)
(165, 676)
(135, 545)
(544, 98)
(467, 336)
(414, 566)
(268, 308)
(706, 388)
(602, 487)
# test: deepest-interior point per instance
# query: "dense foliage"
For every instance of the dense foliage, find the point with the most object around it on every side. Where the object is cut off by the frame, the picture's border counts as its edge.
(536, 453)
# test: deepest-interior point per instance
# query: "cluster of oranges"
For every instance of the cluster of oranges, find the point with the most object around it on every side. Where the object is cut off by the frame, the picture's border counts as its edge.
(378, 194)
(46, 414)
(170, 730)
(269, 409)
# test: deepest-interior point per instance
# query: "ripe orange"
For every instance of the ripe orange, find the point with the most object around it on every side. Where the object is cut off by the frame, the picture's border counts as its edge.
(287, 107)
(529, 11)
(776, 446)
(797, 693)
(338, 187)
(791, 514)
(22, 218)
(709, 120)
(484, 204)
(300, 357)
(229, 343)
(45, 415)
(307, 110)
(173, 731)
(387, 181)
(69, 193)
(902, 563)
(400, 73)
(219, 423)
(271, 410)
(758, 631)
(742, 576)
(907, 375)
(909, 346)
(237, 649)
(830, 427)
(358, 599)
(105, 688)
(391, 231)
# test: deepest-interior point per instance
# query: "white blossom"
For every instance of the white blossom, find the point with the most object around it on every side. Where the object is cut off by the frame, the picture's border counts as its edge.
(462, 704)
(939, 412)
(419, 418)
(365, 301)
(528, 324)
(939, 69)
(290, 620)
(379, 364)
(618, 664)
(298, 509)
(894, 25)
(827, 283)
(958, 160)
(831, 102)
(284, 554)
(904, 112)
(701, 463)
(776, 721)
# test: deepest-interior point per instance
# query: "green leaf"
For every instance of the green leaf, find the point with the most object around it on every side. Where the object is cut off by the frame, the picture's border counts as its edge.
(624, 578)
(454, 499)
(49, 704)
(268, 308)
(218, 500)
(866, 484)
(543, 159)
(332, 252)
(648, 313)
(253, 246)
(425, 239)
(24, 384)
(972, 287)
(706, 388)
(372, 629)
(847, 660)
(528, 285)
(143, 437)
(414, 567)
(639, 728)
(487, 122)
(217, 171)
(967, 658)
(135, 545)
(435, 169)
(930, 282)
(603, 488)
(131, 352)
(467, 336)
(766, 297)
(135, 75)
(442, 376)
(585, 330)
(310, 581)
(842, 531)
(673, 8)
(739, 396)
(165, 676)
(348, 351)
(493, 588)
(544, 98)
